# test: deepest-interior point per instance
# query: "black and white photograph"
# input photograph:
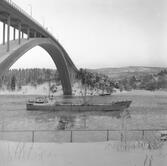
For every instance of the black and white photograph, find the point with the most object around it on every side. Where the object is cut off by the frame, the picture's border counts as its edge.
(83, 83)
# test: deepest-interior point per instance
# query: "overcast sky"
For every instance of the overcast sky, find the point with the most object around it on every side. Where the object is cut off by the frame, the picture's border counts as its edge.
(102, 33)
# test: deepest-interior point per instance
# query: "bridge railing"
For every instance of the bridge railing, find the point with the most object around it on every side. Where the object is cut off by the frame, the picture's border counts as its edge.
(80, 135)
(15, 6)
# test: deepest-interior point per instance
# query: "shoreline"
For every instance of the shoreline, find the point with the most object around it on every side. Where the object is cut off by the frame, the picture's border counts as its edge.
(42, 89)
(29, 90)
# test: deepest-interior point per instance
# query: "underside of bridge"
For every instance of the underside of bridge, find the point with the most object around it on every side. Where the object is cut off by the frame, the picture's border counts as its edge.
(7, 59)
(11, 50)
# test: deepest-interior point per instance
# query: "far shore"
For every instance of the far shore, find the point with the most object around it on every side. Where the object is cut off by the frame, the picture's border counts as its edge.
(43, 90)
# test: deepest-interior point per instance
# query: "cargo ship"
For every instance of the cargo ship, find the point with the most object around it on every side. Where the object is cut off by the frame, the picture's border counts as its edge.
(50, 105)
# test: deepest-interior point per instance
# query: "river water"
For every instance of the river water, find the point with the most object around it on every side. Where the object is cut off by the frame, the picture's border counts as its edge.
(147, 111)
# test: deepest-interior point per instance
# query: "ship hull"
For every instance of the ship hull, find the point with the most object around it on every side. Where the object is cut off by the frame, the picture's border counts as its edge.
(114, 106)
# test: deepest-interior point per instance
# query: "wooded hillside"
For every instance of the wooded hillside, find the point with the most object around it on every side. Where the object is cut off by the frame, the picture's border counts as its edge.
(19, 77)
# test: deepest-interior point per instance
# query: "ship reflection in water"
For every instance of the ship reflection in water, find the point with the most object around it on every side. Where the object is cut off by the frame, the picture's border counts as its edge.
(66, 122)
(83, 121)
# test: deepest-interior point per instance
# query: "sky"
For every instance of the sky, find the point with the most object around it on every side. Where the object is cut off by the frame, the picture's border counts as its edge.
(101, 33)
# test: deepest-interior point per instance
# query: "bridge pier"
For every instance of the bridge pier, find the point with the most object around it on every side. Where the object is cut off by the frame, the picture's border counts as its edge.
(35, 34)
(19, 33)
(4, 30)
(8, 33)
(28, 33)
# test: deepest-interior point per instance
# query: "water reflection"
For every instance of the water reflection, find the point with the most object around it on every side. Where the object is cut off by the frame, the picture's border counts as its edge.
(148, 110)
(42, 117)
(76, 120)
(81, 120)
(66, 122)
(16, 117)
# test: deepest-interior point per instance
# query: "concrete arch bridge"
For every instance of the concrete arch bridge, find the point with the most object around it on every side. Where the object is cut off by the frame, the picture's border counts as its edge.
(30, 34)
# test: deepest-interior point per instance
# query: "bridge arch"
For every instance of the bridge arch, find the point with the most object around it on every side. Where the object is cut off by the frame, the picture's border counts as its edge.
(56, 52)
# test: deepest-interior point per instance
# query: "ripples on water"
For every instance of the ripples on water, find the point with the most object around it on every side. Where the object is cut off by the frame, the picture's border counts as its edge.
(148, 110)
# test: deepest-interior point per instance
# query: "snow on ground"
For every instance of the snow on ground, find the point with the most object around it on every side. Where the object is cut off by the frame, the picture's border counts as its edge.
(42, 89)
(79, 154)
(78, 90)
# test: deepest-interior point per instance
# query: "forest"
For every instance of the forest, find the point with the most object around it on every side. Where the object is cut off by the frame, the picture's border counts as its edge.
(147, 82)
(143, 82)
(16, 78)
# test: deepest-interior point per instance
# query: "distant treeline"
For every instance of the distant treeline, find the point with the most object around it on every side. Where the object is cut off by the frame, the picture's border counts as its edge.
(16, 78)
(103, 82)
(146, 82)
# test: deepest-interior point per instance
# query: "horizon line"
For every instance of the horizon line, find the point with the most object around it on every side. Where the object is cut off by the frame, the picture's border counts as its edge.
(92, 68)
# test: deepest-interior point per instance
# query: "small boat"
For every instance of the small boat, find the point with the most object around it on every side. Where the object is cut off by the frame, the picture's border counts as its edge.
(105, 94)
(51, 105)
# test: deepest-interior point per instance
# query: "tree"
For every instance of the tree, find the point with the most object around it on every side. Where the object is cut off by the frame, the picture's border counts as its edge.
(13, 83)
(162, 81)
(53, 88)
(132, 82)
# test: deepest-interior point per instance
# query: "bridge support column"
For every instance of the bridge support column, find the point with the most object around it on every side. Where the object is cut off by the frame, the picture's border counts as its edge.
(19, 32)
(8, 34)
(4, 33)
(35, 34)
(28, 33)
(14, 33)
